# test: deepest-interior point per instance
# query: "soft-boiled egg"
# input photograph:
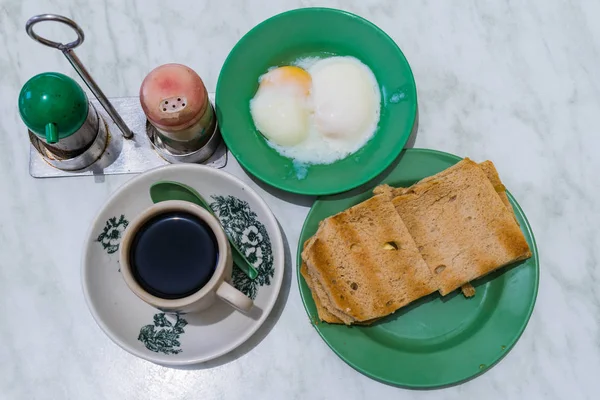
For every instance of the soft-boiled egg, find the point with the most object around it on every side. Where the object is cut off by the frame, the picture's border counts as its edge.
(345, 100)
(280, 107)
(319, 110)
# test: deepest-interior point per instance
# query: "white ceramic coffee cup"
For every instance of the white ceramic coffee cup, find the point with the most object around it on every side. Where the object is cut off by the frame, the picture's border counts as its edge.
(217, 286)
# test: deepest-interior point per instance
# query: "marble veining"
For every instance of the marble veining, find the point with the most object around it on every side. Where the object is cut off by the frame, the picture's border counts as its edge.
(517, 82)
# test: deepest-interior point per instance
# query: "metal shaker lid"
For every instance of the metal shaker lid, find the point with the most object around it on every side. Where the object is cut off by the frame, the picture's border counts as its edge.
(173, 97)
(53, 106)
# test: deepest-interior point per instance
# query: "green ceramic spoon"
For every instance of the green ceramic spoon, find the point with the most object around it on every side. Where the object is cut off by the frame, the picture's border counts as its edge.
(169, 190)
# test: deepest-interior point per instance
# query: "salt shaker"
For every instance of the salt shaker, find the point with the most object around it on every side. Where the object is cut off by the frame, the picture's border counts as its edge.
(176, 103)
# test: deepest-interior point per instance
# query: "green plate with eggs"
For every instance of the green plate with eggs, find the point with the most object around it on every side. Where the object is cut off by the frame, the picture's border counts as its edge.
(435, 341)
(315, 32)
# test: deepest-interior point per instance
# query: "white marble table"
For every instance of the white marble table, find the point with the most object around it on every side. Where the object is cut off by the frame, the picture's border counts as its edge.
(514, 81)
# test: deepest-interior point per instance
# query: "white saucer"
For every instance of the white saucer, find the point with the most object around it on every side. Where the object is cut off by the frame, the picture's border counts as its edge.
(192, 338)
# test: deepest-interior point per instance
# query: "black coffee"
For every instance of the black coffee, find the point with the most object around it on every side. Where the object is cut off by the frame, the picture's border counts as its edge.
(173, 255)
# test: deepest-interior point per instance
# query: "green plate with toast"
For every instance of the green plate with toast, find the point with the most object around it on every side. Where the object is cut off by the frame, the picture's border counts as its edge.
(435, 341)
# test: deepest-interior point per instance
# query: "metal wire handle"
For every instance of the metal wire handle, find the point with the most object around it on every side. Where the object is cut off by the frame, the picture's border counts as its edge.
(58, 18)
(67, 50)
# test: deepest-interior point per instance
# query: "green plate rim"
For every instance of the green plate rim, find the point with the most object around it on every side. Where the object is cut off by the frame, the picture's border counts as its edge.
(368, 177)
(398, 383)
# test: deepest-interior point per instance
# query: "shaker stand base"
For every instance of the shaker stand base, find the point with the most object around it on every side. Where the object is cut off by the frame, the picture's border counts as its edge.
(122, 156)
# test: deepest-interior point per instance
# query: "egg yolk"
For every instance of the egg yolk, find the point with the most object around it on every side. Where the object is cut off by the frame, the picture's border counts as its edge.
(288, 75)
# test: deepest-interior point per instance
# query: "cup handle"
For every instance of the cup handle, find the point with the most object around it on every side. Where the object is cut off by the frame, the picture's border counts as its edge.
(234, 297)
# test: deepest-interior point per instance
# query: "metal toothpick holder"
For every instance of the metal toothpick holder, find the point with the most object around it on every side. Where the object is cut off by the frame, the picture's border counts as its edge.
(64, 127)
(71, 136)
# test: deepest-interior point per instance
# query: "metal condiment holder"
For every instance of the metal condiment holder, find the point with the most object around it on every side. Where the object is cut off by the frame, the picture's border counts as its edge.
(121, 153)
(125, 156)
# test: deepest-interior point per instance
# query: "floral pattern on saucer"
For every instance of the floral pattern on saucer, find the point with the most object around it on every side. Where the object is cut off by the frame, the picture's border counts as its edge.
(112, 232)
(162, 336)
(251, 237)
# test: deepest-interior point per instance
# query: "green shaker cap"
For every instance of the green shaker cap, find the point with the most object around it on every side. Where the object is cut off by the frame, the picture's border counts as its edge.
(53, 106)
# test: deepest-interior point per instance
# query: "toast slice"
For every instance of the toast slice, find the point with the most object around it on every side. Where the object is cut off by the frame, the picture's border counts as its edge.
(490, 171)
(460, 224)
(367, 262)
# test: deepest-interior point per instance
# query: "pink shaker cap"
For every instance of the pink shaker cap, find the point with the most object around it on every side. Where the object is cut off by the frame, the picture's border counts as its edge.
(173, 97)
